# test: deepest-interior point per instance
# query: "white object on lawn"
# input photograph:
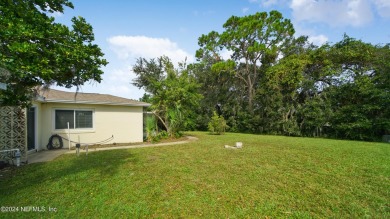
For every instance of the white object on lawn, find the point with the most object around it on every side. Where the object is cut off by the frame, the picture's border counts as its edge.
(238, 146)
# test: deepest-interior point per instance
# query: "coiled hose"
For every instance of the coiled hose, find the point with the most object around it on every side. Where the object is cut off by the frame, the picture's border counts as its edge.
(55, 142)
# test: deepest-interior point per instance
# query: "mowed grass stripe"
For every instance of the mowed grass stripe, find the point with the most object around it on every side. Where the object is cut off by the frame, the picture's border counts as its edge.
(270, 176)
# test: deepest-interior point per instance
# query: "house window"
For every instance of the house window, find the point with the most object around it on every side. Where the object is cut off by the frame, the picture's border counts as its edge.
(83, 119)
(78, 119)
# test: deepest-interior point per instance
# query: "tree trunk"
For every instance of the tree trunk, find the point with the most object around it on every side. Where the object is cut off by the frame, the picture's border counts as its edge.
(250, 95)
(165, 123)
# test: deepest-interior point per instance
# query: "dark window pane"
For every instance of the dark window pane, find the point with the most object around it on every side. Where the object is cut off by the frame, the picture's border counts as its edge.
(84, 119)
(63, 117)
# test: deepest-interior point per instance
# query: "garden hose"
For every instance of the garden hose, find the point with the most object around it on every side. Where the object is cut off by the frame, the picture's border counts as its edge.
(55, 142)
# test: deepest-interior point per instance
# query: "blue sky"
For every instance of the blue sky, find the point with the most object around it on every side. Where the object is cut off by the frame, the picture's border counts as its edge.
(126, 30)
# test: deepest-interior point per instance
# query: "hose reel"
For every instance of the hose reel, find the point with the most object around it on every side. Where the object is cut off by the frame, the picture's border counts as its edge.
(55, 142)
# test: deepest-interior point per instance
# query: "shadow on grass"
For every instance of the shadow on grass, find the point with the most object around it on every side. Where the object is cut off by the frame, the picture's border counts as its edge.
(66, 168)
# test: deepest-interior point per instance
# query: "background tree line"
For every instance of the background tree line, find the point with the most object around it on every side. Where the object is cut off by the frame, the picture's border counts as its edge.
(275, 83)
(271, 83)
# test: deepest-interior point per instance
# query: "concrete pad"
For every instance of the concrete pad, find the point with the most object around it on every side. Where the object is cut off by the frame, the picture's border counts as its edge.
(49, 155)
(46, 155)
(189, 139)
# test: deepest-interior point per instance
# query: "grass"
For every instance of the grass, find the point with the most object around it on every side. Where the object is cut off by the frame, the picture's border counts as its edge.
(270, 177)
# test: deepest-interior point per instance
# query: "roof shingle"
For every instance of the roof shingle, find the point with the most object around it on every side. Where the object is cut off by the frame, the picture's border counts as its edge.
(56, 96)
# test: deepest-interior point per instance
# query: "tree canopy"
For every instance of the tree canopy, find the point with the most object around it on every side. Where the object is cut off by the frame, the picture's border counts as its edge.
(275, 83)
(255, 43)
(173, 92)
(280, 84)
(35, 50)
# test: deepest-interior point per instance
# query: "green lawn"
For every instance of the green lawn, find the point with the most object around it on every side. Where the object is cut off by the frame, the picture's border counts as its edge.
(272, 176)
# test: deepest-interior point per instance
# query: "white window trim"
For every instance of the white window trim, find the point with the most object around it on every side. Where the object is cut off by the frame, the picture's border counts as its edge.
(73, 130)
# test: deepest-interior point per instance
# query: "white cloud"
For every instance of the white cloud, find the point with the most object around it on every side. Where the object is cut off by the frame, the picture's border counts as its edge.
(383, 8)
(313, 36)
(318, 39)
(132, 47)
(125, 90)
(226, 54)
(118, 77)
(116, 81)
(55, 14)
(245, 10)
(268, 3)
(336, 13)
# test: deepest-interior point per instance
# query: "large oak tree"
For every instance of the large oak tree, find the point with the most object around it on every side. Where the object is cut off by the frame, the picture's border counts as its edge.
(35, 50)
(255, 43)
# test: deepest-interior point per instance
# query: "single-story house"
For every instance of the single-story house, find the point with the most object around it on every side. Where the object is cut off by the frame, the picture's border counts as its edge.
(92, 118)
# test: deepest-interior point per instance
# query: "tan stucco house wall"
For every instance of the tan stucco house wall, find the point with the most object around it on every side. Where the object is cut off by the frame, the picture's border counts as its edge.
(111, 116)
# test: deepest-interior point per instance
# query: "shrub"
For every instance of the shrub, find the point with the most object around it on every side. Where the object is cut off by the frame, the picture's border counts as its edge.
(150, 127)
(217, 124)
(176, 121)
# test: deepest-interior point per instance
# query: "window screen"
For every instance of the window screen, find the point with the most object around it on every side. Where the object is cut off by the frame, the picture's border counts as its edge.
(63, 117)
(83, 119)
(76, 119)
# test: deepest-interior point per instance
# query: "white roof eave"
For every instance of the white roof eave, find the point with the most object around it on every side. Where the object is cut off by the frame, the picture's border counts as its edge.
(90, 102)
